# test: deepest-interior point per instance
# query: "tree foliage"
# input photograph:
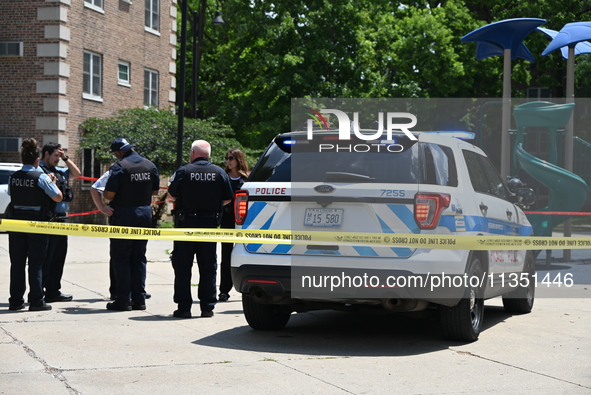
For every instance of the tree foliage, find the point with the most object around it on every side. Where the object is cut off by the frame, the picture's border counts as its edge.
(271, 51)
(154, 133)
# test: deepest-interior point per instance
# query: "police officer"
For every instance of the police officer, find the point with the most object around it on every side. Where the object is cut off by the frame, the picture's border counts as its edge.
(33, 196)
(200, 190)
(53, 268)
(132, 182)
(96, 192)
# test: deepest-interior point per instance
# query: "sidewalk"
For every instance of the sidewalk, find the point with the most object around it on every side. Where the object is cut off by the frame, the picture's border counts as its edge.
(80, 347)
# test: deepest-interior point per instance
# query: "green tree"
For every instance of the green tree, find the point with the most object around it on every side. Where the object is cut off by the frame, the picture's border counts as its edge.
(271, 51)
(154, 133)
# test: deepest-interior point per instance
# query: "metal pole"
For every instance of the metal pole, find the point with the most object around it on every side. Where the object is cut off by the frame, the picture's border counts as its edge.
(182, 77)
(195, 66)
(569, 136)
(506, 115)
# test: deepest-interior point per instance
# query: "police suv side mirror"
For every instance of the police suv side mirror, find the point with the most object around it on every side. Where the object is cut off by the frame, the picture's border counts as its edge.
(514, 184)
(524, 196)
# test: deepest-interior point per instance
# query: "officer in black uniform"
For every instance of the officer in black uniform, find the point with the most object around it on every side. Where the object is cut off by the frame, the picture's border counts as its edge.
(53, 268)
(201, 189)
(33, 197)
(133, 181)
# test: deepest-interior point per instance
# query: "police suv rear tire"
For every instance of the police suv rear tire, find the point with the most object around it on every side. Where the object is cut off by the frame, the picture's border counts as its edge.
(521, 301)
(463, 322)
(266, 317)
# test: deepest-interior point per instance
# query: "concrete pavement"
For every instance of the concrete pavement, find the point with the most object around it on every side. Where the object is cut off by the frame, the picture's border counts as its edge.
(80, 347)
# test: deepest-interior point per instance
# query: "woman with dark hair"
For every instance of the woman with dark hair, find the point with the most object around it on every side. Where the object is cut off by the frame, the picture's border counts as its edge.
(237, 170)
(33, 195)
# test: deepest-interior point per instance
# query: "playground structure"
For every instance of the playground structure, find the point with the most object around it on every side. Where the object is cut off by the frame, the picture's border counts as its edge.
(506, 38)
(567, 192)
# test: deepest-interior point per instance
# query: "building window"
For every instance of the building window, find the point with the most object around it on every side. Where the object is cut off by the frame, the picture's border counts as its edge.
(92, 74)
(150, 88)
(11, 49)
(10, 144)
(96, 5)
(91, 167)
(123, 75)
(152, 15)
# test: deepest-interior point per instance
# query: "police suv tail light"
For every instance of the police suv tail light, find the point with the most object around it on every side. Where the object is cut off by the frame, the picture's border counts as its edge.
(240, 206)
(428, 208)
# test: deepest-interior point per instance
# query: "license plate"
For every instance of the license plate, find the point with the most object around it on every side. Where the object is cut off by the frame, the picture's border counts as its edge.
(324, 217)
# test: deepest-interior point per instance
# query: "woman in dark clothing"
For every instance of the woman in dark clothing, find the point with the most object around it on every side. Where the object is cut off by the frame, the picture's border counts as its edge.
(237, 170)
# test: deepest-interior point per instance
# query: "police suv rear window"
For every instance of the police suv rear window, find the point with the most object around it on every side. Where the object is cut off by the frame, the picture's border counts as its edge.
(359, 161)
(4, 176)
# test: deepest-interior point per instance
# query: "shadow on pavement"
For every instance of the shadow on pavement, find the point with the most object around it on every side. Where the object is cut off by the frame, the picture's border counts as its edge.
(55, 305)
(333, 333)
(543, 266)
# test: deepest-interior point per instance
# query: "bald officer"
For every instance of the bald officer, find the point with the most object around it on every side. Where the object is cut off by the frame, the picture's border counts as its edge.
(200, 190)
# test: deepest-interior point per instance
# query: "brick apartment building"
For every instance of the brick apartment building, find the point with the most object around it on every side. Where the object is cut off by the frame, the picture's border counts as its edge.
(63, 61)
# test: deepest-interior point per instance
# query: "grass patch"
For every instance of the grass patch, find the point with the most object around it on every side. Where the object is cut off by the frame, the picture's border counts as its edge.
(166, 224)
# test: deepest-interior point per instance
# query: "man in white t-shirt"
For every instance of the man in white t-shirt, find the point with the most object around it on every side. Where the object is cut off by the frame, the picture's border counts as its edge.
(97, 197)
(96, 191)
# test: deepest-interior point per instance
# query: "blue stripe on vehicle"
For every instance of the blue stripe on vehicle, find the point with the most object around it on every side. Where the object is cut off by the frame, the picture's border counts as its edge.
(480, 224)
(267, 224)
(253, 247)
(526, 231)
(253, 211)
(385, 228)
(475, 224)
(405, 215)
(448, 221)
(282, 249)
(365, 251)
(401, 251)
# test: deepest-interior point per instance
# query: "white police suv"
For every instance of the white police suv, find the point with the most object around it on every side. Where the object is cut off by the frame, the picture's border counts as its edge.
(6, 170)
(403, 189)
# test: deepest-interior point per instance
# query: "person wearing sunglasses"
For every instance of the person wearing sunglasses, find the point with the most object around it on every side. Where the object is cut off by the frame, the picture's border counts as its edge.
(237, 170)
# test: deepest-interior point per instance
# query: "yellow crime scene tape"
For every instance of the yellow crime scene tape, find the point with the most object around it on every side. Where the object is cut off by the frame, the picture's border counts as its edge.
(463, 242)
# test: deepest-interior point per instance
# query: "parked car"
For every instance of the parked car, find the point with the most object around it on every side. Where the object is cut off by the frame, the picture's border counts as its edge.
(437, 185)
(6, 170)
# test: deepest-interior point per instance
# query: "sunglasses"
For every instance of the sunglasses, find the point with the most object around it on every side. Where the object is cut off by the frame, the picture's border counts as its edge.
(230, 158)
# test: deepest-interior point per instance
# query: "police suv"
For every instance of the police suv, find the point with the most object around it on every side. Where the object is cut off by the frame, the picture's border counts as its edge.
(405, 190)
(6, 170)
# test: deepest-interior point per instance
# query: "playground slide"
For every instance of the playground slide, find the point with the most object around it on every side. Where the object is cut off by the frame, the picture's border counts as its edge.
(567, 190)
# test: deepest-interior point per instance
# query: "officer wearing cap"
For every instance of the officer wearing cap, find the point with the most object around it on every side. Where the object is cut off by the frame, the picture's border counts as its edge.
(33, 195)
(200, 190)
(132, 182)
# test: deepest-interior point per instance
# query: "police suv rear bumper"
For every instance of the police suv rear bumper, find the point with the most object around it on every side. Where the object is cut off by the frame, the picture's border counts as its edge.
(286, 284)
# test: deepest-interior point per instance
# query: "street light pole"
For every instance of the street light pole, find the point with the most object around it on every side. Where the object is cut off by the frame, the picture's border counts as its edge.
(183, 73)
(195, 68)
(182, 77)
(197, 17)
